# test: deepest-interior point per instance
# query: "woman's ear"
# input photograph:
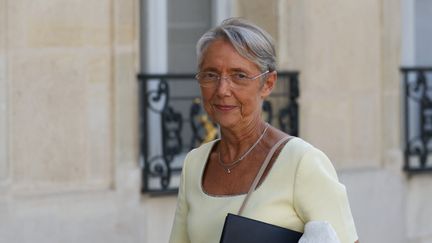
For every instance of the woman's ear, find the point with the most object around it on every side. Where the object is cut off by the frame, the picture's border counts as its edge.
(269, 84)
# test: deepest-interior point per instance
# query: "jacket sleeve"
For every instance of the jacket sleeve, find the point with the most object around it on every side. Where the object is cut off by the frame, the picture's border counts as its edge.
(319, 196)
(179, 232)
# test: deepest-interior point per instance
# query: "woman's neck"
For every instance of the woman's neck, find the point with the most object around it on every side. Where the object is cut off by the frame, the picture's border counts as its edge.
(236, 141)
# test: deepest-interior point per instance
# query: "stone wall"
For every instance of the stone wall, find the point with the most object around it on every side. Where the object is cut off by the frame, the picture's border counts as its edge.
(68, 123)
(60, 87)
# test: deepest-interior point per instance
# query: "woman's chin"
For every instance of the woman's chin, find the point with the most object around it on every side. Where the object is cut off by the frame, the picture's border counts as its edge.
(226, 123)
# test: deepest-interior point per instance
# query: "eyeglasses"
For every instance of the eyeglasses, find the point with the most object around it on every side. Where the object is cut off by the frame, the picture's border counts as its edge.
(237, 79)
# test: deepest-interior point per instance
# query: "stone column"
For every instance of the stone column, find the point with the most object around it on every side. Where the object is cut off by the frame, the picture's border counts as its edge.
(126, 119)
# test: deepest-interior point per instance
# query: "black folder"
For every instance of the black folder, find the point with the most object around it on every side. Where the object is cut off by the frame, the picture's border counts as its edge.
(239, 229)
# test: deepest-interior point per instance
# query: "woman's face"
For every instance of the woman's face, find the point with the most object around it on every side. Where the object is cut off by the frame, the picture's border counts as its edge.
(230, 105)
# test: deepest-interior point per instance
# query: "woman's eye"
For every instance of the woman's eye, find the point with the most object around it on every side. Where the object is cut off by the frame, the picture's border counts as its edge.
(210, 75)
(239, 76)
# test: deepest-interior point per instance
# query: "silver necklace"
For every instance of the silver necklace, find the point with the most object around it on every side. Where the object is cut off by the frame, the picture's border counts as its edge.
(229, 166)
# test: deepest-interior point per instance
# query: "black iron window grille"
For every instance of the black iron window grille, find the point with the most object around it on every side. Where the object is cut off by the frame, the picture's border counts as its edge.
(417, 83)
(172, 122)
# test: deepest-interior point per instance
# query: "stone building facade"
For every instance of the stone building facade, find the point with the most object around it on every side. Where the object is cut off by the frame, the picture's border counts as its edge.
(69, 166)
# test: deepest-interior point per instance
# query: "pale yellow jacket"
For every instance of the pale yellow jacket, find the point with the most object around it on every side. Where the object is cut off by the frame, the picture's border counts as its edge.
(301, 186)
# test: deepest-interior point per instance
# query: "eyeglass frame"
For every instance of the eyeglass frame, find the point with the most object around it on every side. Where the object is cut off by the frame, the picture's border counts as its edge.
(228, 77)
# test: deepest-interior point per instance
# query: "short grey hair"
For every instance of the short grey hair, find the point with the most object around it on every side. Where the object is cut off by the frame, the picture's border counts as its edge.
(250, 41)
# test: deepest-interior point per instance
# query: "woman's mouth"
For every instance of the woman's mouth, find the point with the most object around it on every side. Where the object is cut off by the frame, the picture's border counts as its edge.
(225, 107)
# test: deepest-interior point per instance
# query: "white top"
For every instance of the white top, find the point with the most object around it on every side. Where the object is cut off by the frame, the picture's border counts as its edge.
(301, 186)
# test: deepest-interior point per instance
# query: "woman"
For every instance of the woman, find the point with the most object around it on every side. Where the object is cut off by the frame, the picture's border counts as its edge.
(237, 71)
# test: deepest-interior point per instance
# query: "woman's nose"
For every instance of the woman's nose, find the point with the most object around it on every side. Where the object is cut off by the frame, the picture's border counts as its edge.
(224, 86)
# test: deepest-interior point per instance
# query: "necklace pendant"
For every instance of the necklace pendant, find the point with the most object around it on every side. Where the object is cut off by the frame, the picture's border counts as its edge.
(229, 171)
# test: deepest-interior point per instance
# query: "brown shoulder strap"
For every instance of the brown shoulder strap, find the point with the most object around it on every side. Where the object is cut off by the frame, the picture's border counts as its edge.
(261, 171)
